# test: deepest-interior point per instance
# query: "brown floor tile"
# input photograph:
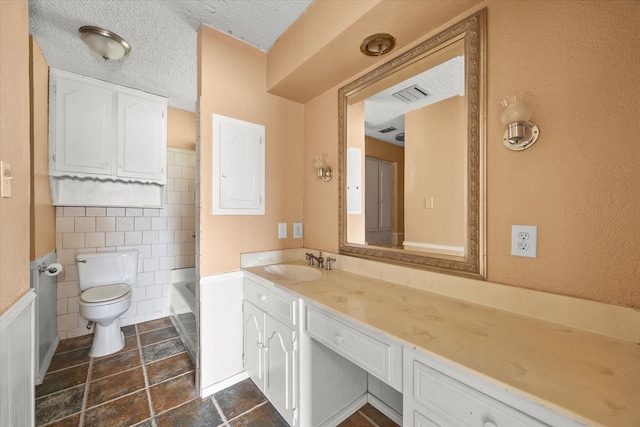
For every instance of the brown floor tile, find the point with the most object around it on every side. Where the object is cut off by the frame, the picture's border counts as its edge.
(174, 392)
(130, 343)
(239, 398)
(76, 343)
(72, 421)
(126, 411)
(115, 386)
(168, 368)
(376, 416)
(69, 359)
(59, 405)
(145, 423)
(64, 378)
(154, 324)
(119, 362)
(356, 420)
(197, 413)
(158, 335)
(263, 415)
(163, 349)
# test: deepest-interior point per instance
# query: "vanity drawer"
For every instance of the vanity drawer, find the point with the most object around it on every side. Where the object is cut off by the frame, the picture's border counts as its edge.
(372, 351)
(279, 304)
(439, 400)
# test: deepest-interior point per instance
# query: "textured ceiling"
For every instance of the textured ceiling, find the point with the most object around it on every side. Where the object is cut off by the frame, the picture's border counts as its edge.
(162, 35)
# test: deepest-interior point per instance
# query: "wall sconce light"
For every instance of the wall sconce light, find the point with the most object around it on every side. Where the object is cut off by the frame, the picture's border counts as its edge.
(521, 133)
(108, 45)
(322, 169)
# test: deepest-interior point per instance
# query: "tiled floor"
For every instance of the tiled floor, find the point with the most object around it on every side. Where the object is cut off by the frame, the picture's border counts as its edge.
(151, 383)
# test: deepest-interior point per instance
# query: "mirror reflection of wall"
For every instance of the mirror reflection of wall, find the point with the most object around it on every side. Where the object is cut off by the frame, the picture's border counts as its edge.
(414, 135)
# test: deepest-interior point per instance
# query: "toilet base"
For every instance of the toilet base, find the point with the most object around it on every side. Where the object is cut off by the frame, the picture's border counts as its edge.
(107, 339)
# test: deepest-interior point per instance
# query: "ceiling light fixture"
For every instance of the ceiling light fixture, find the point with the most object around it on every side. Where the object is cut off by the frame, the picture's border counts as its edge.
(108, 45)
(378, 44)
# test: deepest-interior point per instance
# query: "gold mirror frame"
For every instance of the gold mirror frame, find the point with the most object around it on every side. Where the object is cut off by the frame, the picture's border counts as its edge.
(472, 29)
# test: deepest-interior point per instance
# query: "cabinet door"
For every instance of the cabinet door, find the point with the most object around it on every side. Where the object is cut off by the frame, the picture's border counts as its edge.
(141, 138)
(253, 343)
(279, 367)
(83, 128)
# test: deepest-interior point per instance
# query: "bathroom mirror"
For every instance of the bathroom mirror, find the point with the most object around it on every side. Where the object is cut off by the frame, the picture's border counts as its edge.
(411, 144)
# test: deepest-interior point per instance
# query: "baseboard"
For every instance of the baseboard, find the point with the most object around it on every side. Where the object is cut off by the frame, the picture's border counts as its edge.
(221, 385)
(385, 409)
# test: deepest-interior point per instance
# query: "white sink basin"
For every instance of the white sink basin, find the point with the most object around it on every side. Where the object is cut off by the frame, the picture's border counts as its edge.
(297, 273)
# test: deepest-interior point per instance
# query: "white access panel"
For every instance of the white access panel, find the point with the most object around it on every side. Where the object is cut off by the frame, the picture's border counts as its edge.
(238, 167)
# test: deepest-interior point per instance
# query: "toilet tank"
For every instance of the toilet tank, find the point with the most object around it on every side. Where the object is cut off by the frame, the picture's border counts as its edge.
(106, 268)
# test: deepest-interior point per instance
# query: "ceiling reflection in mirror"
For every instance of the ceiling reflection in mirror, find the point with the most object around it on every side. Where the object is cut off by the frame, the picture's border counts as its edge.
(411, 144)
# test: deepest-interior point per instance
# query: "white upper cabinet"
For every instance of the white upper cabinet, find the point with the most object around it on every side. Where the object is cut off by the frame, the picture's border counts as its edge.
(142, 137)
(82, 127)
(104, 131)
(238, 167)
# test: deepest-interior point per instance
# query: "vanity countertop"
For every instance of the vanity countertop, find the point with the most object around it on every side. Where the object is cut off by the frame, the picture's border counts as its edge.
(588, 377)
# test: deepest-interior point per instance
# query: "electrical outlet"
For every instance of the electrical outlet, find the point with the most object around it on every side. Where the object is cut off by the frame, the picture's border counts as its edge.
(524, 240)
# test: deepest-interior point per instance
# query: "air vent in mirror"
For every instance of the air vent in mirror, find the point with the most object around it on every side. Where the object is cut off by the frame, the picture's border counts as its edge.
(411, 94)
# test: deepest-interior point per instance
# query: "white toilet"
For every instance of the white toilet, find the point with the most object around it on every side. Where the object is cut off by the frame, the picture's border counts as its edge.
(105, 281)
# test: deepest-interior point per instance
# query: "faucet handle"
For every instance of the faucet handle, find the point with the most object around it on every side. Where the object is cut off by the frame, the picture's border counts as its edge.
(328, 265)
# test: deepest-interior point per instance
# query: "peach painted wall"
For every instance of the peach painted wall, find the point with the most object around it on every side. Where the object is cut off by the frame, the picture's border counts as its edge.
(14, 149)
(436, 159)
(232, 83)
(43, 214)
(181, 129)
(580, 183)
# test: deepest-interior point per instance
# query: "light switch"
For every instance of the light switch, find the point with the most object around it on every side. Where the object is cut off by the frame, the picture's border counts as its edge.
(6, 177)
(297, 230)
(282, 230)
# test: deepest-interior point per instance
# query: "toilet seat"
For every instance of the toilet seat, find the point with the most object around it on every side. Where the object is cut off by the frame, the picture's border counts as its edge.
(101, 294)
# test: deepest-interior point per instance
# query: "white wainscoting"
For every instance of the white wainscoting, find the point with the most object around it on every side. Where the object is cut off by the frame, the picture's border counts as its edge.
(221, 332)
(17, 358)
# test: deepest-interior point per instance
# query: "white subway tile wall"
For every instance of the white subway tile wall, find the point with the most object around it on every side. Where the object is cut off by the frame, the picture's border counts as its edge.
(164, 238)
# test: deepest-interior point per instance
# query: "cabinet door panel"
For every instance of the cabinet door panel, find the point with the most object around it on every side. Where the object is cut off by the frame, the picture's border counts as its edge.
(279, 367)
(141, 152)
(253, 343)
(83, 128)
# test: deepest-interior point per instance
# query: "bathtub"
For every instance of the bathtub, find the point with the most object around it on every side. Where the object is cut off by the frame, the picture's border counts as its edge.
(183, 307)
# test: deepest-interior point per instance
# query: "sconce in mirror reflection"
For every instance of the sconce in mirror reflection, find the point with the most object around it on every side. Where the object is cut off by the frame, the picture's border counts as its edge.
(520, 133)
(322, 169)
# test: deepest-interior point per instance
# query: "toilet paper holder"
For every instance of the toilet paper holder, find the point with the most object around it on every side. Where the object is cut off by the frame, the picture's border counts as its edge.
(51, 269)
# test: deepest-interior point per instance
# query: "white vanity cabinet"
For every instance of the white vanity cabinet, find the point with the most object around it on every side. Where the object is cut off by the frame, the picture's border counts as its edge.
(439, 394)
(100, 130)
(270, 345)
(374, 352)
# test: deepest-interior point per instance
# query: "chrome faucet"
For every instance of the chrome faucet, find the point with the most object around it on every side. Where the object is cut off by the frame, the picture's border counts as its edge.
(311, 257)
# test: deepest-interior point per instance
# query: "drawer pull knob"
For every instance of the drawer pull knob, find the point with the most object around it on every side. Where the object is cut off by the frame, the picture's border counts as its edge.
(262, 297)
(490, 424)
(338, 339)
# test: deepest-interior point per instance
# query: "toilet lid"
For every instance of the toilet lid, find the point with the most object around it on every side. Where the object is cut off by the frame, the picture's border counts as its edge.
(105, 293)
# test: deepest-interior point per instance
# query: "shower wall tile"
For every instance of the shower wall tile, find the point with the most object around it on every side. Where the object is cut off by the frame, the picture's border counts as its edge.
(163, 238)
